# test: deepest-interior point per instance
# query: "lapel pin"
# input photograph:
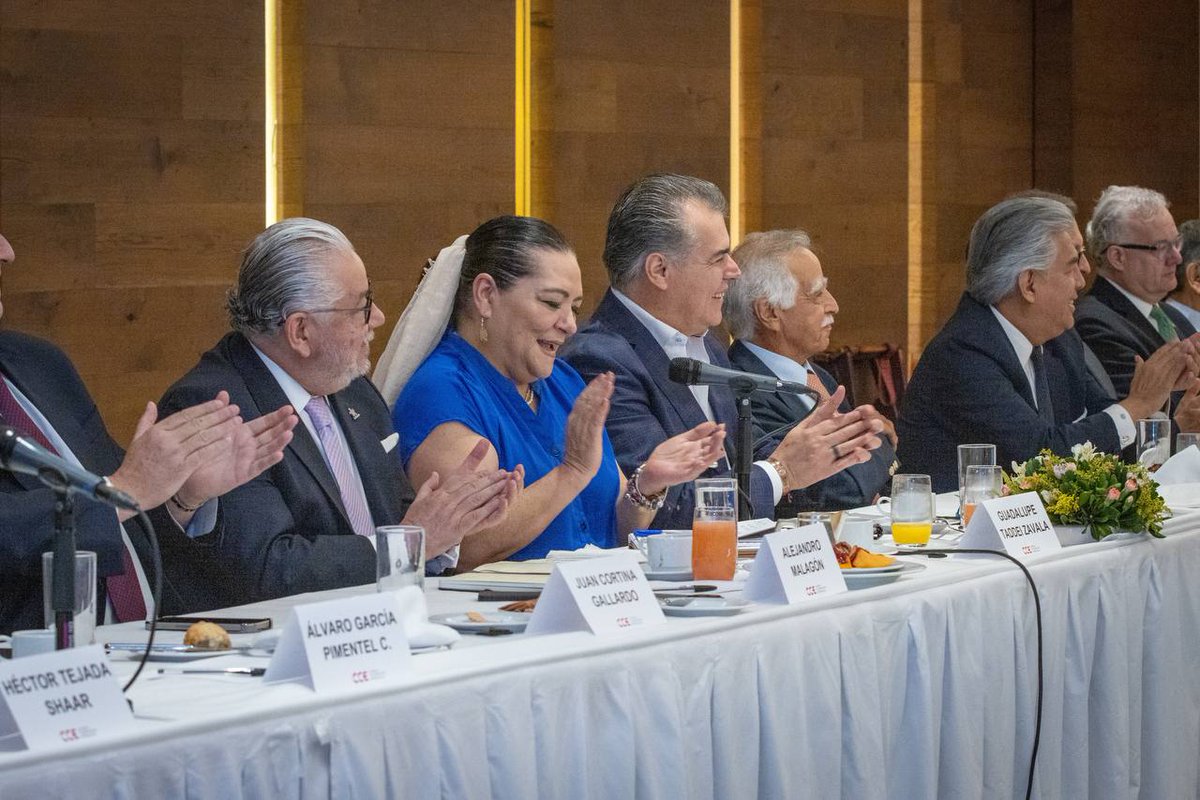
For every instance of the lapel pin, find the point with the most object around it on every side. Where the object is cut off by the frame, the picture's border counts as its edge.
(353, 413)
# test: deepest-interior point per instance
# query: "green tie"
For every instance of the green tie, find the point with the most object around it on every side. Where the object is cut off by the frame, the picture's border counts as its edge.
(1166, 328)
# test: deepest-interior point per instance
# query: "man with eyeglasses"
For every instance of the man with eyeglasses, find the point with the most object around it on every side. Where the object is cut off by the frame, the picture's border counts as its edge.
(780, 312)
(1135, 246)
(303, 318)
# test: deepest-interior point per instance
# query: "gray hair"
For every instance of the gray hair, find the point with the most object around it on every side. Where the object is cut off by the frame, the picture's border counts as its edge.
(1189, 248)
(1116, 206)
(284, 271)
(765, 273)
(1010, 237)
(649, 218)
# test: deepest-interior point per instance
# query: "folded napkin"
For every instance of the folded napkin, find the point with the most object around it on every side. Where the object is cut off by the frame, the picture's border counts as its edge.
(1183, 467)
(592, 551)
(415, 618)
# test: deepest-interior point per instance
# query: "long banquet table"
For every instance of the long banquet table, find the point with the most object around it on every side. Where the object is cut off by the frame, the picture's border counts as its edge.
(923, 688)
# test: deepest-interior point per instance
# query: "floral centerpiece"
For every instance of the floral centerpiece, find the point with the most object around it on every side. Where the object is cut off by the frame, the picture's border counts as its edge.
(1093, 489)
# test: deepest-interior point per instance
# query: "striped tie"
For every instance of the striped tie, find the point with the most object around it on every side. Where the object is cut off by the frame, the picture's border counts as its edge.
(123, 588)
(1166, 328)
(353, 498)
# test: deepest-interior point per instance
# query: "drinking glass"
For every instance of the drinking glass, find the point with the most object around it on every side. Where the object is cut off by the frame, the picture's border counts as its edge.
(714, 529)
(1185, 440)
(84, 630)
(983, 482)
(826, 519)
(399, 557)
(912, 509)
(1153, 442)
(969, 455)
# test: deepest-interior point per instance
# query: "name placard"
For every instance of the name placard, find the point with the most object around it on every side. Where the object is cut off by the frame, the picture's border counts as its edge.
(794, 565)
(597, 594)
(1016, 524)
(62, 698)
(340, 644)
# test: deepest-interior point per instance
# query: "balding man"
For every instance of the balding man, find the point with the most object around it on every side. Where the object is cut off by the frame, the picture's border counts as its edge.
(781, 312)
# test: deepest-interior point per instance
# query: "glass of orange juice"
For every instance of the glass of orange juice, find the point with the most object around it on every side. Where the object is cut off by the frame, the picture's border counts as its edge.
(983, 482)
(912, 509)
(714, 529)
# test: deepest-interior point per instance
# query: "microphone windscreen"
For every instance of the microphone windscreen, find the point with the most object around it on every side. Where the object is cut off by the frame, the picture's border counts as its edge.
(683, 370)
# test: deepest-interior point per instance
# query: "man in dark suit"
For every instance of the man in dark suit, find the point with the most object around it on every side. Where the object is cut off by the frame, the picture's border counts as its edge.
(781, 313)
(1007, 369)
(172, 468)
(1135, 244)
(667, 254)
(303, 318)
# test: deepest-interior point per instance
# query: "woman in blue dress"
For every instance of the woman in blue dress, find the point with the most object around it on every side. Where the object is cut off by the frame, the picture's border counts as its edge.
(491, 314)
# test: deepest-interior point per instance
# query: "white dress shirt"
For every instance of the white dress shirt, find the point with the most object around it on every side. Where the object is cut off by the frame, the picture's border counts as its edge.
(679, 345)
(1023, 349)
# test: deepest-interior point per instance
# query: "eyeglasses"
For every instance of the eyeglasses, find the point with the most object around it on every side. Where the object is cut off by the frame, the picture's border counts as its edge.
(1162, 247)
(365, 310)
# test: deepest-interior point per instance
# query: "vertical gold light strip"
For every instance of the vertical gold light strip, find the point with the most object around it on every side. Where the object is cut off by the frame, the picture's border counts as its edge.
(522, 162)
(916, 179)
(271, 93)
(736, 165)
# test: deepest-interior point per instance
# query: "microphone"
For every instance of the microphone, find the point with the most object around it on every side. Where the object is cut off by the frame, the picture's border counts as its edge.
(697, 373)
(24, 456)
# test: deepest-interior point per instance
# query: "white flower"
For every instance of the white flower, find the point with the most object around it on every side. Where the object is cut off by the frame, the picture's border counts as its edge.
(1083, 452)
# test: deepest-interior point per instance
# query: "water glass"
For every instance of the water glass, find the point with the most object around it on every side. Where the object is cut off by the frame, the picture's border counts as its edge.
(983, 482)
(1185, 440)
(399, 557)
(912, 509)
(827, 520)
(970, 455)
(714, 529)
(84, 632)
(1153, 442)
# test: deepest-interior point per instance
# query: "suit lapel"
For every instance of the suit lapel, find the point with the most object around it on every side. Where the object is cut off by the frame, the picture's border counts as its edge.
(367, 450)
(983, 331)
(650, 352)
(745, 359)
(268, 396)
(1111, 296)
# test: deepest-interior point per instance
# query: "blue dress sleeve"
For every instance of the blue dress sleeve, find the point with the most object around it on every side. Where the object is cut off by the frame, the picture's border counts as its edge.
(436, 394)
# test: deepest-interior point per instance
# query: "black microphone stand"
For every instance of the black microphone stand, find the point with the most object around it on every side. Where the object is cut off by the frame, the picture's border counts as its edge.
(743, 452)
(62, 571)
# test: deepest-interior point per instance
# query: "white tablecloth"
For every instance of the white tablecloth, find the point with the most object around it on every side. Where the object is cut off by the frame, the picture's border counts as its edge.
(924, 688)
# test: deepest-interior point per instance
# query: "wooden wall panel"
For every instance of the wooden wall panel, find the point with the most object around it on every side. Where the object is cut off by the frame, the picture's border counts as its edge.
(130, 179)
(627, 88)
(407, 134)
(834, 150)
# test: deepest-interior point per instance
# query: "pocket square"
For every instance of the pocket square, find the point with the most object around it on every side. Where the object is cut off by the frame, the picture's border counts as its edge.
(389, 444)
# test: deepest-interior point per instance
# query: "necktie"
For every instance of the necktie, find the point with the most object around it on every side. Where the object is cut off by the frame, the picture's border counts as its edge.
(353, 499)
(123, 589)
(814, 382)
(1041, 388)
(1166, 328)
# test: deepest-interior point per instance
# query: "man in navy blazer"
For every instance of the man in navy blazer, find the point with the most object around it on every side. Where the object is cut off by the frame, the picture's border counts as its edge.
(171, 468)
(1133, 239)
(667, 254)
(303, 318)
(781, 312)
(1007, 369)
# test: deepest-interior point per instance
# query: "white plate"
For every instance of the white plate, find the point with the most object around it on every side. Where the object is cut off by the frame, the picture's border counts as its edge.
(666, 574)
(170, 652)
(873, 570)
(867, 578)
(492, 620)
(701, 606)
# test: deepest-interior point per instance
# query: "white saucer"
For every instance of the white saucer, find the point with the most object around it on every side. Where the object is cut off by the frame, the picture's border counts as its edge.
(701, 606)
(666, 574)
(878, 576)
(492, 620)
(170, 652)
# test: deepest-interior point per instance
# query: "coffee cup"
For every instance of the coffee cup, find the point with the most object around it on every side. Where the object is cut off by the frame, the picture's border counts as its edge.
(858, 528)
(669, 551)
(32, 642)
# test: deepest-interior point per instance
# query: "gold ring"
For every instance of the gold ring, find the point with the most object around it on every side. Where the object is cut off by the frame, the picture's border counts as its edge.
(836, 455)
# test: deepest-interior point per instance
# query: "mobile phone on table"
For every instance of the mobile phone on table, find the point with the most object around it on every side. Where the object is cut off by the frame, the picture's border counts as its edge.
(230, 624)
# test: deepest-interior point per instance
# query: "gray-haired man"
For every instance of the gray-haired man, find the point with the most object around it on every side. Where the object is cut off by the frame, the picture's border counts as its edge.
(1007, 368)
(303, 318)
(781, 312)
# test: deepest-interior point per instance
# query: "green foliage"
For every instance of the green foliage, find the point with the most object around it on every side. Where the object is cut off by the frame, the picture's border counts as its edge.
(1093, 489)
